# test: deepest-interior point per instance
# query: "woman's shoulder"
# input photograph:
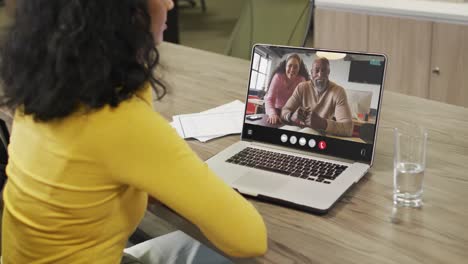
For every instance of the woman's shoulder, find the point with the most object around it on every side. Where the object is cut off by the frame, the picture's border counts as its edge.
(134, 111)
(300, 78)
(279, 76)
(278, 80)
(131, 122)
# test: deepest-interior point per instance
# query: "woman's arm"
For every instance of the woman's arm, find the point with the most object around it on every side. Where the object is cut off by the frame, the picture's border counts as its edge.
(142, 150)
(270, 98)
(293, 103)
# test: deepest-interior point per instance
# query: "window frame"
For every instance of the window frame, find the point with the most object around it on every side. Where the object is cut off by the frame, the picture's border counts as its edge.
(258, 72)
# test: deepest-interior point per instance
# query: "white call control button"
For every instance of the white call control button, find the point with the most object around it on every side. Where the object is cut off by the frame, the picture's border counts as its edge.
(293, 140)
(302, 141)
(312, 143)
(284, 138)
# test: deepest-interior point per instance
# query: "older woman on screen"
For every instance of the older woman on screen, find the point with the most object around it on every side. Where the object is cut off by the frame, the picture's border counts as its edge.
(286, 77)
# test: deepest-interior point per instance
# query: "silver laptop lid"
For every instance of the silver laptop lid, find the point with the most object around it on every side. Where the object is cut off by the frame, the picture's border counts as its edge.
(315, 100)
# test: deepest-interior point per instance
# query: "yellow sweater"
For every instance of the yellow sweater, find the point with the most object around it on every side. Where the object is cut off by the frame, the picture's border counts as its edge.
(78, 187)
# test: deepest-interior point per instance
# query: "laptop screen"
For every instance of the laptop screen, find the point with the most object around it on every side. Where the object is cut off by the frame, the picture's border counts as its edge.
(315, 100)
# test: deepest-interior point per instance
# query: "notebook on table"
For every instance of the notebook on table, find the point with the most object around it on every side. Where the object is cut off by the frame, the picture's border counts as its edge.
(290, 163)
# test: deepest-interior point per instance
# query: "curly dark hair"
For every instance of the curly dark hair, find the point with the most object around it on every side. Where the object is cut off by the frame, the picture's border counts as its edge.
(281, 68)
(60, 54)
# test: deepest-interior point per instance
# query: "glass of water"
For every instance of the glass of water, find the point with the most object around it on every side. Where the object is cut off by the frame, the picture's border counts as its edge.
(409, 163)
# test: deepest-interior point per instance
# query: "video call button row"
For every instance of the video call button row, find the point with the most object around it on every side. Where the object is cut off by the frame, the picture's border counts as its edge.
(302, 141)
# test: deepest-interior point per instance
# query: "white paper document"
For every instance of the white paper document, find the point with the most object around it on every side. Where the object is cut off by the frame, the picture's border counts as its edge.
(216, 122)
(211, 124)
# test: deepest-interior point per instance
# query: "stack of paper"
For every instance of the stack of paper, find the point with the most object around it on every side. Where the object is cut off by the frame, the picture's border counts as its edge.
(216, 122)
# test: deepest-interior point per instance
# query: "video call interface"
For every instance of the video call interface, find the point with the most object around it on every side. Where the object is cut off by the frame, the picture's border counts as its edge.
(328, 94)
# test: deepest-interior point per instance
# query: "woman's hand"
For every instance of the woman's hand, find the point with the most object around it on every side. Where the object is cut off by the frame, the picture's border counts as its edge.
(273, 119)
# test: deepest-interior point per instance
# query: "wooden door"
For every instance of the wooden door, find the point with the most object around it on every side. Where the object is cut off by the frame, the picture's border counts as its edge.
(449, 77)
(407, 43)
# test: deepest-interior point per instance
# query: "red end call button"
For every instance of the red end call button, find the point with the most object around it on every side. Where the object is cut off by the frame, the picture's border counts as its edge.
(322, 145)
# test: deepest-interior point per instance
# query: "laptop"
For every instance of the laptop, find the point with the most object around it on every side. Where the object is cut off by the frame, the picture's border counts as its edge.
(295, 164)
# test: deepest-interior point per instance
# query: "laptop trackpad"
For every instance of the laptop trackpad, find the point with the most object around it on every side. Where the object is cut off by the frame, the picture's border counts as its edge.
(258, 183)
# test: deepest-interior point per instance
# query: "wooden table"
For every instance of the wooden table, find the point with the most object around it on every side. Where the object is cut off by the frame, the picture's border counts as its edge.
(363, 227)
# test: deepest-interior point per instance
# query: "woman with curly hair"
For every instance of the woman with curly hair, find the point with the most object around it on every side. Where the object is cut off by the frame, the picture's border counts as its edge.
(289, 73)
(87, 148)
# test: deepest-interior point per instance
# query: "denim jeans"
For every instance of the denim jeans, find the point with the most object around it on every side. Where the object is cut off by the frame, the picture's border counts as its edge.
(172, 248)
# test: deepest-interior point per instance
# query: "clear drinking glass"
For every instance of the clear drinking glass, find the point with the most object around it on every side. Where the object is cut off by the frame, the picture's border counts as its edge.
(409, 164)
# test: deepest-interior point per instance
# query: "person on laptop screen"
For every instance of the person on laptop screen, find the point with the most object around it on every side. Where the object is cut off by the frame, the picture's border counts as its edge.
(320, 103)
(286, 77)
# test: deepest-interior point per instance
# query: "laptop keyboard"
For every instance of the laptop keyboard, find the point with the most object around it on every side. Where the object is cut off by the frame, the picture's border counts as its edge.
(313, 170)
